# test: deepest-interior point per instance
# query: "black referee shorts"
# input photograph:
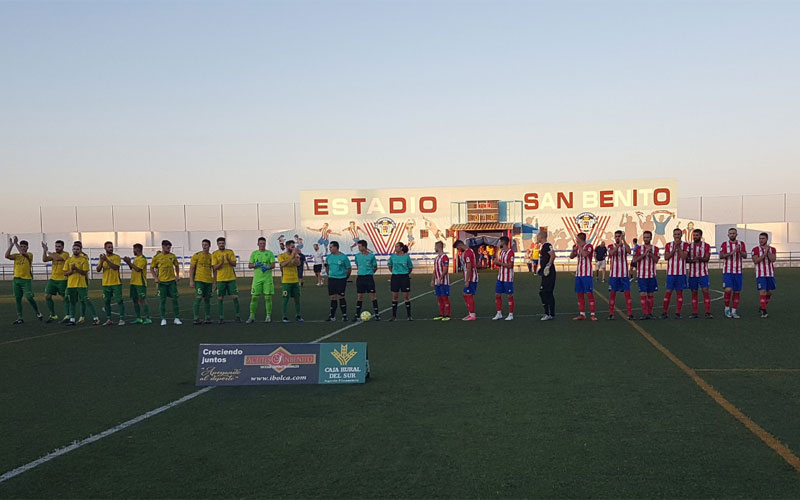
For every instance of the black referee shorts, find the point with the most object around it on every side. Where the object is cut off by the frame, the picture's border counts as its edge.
(337, 286)
(401, 283)
(365, 284)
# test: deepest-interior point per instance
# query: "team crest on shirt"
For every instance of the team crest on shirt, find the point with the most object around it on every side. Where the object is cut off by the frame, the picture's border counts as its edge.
(586, 222)
(384, 233)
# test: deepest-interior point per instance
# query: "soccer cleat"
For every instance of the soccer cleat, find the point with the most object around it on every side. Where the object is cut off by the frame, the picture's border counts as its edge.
(331, 319)
(96, 321)
(208, 322)
(238, 319)
(630, 317)
(580, 317)
(735, 314)
(299, 319)
(18, 321)
(664, 316)
(727, 312)
(108, 323)
(469, 317)
(268, 320)
(510, 317)
(39, 316)
(546, 317)
(376, 317)
(137, 321)
(393, 318)
(66, 320)
(71, 322)
(177, 321)
(147, 321)
(446, 318)
(355, 318)
(163, 322)
(197, 321)
(51, 318)
(644, 317)
(709, 316)
(250, 320)
(593, 317)
(121, 322)
(438, 318)
(694, 316)
(611, 317)
(285, 320)
(677, 316)
(81, 320)
(497, 316)
(764, 313)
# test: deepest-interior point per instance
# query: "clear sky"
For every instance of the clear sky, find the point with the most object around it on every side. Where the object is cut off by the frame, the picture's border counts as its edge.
(191, 102)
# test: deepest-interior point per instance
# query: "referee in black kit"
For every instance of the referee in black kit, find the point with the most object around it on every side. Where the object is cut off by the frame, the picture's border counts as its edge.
(547, 271)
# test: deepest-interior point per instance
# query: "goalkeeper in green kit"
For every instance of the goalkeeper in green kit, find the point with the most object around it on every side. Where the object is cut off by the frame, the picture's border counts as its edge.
(262, 261)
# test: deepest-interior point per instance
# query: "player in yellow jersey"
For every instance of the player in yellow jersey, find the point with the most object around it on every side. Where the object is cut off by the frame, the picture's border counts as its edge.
(201, 279)
(57, 284)
(223, 262)
(138, 289)
(75, 269)
(290, 281)
(166, 272)
(23, 277)
(109, 264)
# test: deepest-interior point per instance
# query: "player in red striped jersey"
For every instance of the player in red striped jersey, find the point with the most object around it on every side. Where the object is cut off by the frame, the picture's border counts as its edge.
(697, 264)
(645, 259)
(470, 266)
(675, 253)
(584, 284)
(764, 258)
(505, 280)
(619, 279)
(732, 252)
(441, 281)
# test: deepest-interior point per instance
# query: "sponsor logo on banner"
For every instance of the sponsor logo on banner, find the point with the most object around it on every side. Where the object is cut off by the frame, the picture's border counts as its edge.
(343, 355)
(384, 234)
(586, 222)
(280, 359)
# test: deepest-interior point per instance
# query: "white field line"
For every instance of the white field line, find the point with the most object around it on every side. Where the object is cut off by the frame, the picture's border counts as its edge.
(124, 425)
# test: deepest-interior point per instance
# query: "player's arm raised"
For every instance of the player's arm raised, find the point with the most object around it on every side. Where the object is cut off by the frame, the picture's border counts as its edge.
(45, 254)
(100, 261)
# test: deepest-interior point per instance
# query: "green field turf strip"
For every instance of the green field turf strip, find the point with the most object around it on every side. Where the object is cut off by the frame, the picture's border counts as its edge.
(489, 409)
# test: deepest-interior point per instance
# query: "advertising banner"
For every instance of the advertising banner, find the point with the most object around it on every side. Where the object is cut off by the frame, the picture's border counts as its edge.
(278, 364)
(419, 217)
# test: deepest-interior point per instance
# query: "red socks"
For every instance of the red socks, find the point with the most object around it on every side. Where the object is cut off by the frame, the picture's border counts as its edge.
(727, 298)
(707, 301)
(469, 300)
(651, 302)
(694, 301)
(736, 300)
(511, 304)
(644, 301)
(498, 302)
(591, 302)
(628, 303)
(581, 303)
(612, 300)
(763, 300)
(679, 301)
(667, 299)
(446, 304)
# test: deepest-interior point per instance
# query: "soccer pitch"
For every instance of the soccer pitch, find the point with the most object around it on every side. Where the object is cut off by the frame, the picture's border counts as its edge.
(459, 410)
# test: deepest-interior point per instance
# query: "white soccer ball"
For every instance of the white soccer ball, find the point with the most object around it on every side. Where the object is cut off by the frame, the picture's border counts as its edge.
(366, 316)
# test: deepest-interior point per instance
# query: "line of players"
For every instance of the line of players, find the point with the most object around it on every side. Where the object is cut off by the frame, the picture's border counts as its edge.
(687, 267)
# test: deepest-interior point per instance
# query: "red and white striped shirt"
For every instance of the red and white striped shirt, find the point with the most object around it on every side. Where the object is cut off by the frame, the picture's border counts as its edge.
(698, 269)
(441, 270)
(675, 265)
(646, 267)
(619, 262)
(506, 273)
(765, 268)
(469, 257)
(733, 263)
(585, 263)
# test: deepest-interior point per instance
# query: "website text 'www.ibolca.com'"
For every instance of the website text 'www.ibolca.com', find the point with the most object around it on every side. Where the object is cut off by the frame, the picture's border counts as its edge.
(279, 378)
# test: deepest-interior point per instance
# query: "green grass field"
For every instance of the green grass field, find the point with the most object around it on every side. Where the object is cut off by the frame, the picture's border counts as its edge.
(458, 410)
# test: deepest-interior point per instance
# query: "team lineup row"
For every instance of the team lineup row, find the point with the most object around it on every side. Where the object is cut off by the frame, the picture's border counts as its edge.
(213, 273)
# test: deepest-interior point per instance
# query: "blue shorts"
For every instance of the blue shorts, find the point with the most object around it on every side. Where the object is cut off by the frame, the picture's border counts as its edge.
(700, 282)
(584, 284)
(504, 287)
(442, 290)
(676, 281)
(535, 261)
(322, 241)
(647, 285)
(733, 281)
(765, 283)
(471, 288)
(619, 284)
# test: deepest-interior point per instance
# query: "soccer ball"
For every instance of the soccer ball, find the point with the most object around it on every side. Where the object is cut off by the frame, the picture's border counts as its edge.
(366, 316)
